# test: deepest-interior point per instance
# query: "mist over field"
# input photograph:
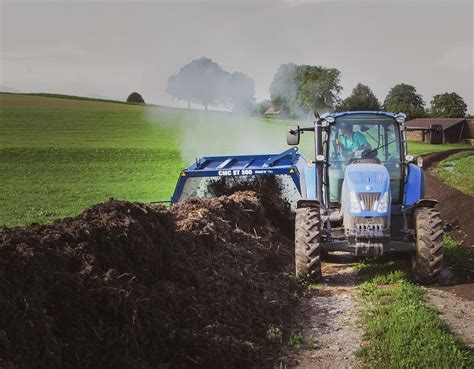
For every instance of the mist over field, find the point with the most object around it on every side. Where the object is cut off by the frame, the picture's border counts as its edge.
(221, 133)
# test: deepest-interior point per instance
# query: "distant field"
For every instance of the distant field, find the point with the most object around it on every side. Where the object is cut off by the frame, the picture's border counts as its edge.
(419, 148)
(61, 155)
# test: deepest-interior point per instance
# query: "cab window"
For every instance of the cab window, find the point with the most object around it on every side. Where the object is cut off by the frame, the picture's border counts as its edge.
(364, 136)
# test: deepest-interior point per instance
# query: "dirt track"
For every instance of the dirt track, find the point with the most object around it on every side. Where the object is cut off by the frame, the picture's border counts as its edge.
(456, 207)
(330, 318)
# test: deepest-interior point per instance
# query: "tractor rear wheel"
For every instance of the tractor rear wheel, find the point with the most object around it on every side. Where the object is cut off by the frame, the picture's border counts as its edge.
(307, 243)
(428, 259)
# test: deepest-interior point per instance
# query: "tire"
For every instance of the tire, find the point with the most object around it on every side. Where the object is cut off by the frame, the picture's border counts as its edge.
(307, 243)
(428, 258)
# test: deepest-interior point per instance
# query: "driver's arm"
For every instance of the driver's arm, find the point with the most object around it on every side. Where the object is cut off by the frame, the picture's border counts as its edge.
(361, 142)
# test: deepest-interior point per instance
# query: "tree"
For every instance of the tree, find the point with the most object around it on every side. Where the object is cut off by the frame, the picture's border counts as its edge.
(318, 87)
(239, 91)
(284, 89)
(262, 107)
(362, 98)
(403, 98)
(448, 105)
(296, 88)
(204, 82)
(135, 97)
(201, 81)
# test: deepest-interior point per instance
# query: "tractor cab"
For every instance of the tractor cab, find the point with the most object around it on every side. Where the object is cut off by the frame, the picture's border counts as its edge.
(355, 138)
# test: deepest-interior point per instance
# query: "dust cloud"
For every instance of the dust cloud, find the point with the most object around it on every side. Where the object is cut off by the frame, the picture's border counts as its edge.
(213, 133)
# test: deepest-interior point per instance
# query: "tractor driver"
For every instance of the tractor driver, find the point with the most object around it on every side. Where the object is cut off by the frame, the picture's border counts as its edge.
(350, 141)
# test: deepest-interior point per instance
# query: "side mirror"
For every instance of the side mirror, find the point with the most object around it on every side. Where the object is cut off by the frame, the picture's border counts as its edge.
(436, 134)
(293, 135)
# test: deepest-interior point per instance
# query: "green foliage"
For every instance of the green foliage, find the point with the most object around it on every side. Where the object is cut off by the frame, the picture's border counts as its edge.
(296, 341)
(375, 267)
(262, 107)
(318, 87)
(299, 88)
(402, 332)
(135, 97)
(275, 335)
(362, 98)
(284, 89)
(457, 256)
(280, 365)
(403, 98)
(204, 82)
(448, 105)
(458, 171)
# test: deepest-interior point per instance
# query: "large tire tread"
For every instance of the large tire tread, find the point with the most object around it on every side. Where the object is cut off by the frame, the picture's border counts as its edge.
(428, 259)
(307, 243)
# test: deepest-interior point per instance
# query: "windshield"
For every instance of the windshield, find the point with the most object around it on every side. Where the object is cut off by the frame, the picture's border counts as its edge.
(364, 136)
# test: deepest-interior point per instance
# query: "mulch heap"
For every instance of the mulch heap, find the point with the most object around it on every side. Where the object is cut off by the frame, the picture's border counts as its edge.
(126, 285)
(457, 208)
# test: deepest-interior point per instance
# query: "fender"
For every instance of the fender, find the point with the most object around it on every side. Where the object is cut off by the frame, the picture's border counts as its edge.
(304, 203)
(426, 203)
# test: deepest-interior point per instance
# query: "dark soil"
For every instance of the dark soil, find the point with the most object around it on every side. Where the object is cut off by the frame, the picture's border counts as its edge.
(125, 285)
(456, 207)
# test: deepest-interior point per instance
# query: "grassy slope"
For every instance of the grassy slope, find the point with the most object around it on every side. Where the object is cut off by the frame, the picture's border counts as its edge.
(461, 175)
(59, 156)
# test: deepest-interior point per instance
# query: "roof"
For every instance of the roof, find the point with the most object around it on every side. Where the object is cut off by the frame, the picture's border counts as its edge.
(427, 122)
(273, 110)
(336, 115)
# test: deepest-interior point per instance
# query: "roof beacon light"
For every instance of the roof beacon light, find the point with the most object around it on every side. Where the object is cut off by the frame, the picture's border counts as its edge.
(401, 118)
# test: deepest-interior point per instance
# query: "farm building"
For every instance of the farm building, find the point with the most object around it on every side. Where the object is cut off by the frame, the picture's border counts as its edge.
(272, 111)
(454, 129)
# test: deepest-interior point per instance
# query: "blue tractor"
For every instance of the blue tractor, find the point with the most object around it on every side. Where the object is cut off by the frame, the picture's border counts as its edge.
(362, 194)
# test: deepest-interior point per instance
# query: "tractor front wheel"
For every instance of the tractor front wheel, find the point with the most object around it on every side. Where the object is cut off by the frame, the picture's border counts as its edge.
(428, 259)
(307, 243)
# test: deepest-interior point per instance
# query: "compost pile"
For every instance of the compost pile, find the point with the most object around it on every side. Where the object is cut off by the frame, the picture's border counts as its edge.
(126, 285)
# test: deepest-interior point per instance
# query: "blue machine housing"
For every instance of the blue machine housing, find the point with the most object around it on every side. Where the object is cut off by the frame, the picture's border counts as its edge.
(289, 162)
(368, 178)
(414, 188)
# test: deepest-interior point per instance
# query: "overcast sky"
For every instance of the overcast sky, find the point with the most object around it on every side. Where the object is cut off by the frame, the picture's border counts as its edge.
(109, 48)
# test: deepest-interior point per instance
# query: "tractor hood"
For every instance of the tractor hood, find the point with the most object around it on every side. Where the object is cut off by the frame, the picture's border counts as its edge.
(367, 178)
(367, 190)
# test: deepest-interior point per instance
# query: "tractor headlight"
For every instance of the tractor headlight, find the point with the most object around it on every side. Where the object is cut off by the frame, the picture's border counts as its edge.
(354, 203)
(383, 203)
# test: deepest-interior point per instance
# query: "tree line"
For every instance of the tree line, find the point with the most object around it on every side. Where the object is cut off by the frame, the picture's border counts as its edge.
(296, 89)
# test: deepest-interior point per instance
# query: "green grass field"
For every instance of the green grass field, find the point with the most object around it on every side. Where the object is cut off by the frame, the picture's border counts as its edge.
(60, 155)
(458, 171)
